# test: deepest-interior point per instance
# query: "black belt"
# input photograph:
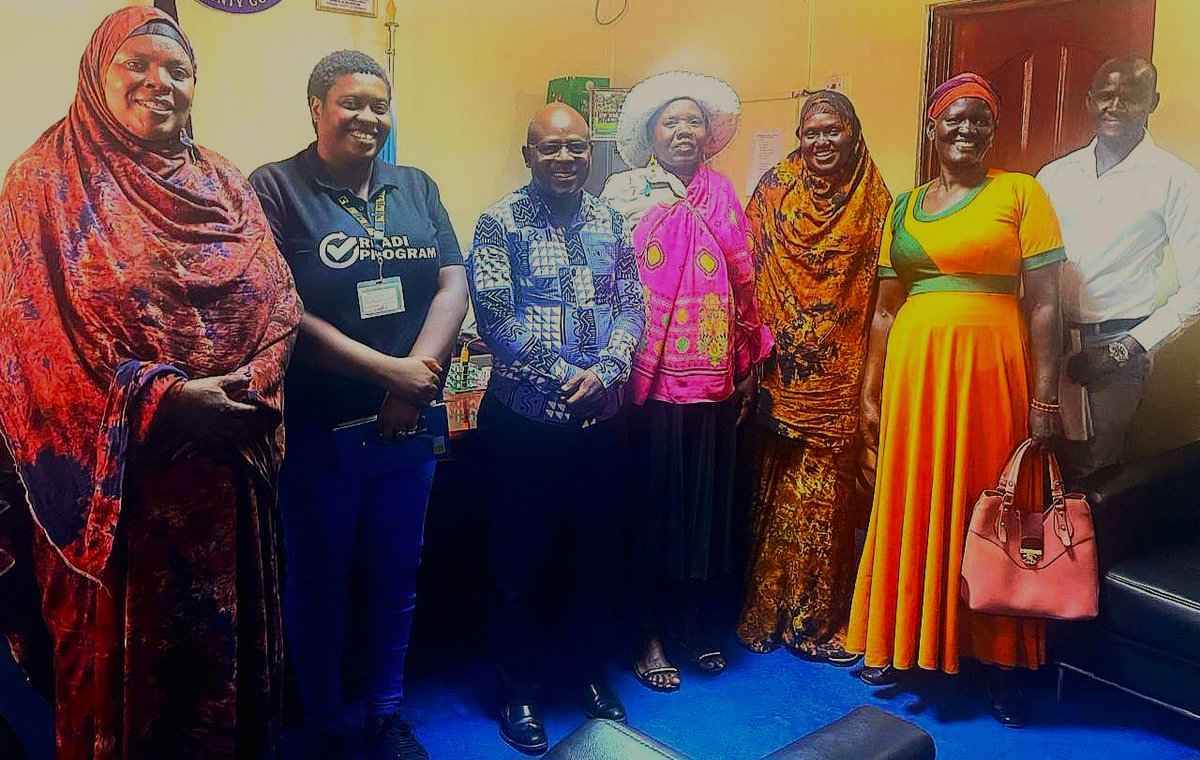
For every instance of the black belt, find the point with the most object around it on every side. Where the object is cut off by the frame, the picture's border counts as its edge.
(1109, 326)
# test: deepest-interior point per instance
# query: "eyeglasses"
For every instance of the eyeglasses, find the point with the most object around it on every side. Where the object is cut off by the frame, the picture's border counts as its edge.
(552, 148)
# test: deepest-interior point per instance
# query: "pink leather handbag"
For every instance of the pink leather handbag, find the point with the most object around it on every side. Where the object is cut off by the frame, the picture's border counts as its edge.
(1031, 564)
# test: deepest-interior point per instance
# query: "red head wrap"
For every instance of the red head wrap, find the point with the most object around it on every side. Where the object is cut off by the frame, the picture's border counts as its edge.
(965, 85)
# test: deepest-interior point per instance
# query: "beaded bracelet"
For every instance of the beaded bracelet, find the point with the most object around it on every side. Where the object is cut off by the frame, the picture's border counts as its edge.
(1042, 406)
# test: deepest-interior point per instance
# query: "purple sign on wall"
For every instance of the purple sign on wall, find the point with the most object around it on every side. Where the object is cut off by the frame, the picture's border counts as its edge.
(239, 6)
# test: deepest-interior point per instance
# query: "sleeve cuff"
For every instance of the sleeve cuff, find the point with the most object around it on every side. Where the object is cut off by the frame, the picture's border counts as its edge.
(1157, 328)
(563, 370)
(609, 371)
(616, 359)
(886, 273)
(1052, 256)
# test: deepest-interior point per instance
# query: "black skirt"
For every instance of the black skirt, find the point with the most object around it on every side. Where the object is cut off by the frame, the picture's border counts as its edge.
(683, 468)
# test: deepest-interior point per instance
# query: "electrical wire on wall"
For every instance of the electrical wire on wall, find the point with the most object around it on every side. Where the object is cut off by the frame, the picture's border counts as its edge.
(812, 23)
(614, 19)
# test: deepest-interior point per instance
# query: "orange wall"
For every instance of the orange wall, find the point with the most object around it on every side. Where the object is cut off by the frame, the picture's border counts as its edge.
(251, 69)
(40, 84)
(469, 72)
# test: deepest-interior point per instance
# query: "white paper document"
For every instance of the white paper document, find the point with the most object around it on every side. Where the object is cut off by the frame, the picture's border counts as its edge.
(767, 148)
(1076, 411)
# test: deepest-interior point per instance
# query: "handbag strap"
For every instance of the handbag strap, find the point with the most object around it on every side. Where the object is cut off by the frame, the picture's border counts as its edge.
(1058, 504)
(1008, 484)
(1008, 476)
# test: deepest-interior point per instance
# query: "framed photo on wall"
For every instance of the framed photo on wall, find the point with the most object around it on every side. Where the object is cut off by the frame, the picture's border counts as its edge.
(354, 7)
(604, 106)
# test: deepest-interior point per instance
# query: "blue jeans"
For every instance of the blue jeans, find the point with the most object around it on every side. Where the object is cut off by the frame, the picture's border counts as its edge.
(327, 517)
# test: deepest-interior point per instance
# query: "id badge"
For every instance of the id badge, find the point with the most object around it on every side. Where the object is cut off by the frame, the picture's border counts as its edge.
(378, 298)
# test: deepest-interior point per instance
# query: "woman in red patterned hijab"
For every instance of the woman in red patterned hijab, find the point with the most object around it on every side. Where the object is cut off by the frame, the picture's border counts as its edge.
(146, 318)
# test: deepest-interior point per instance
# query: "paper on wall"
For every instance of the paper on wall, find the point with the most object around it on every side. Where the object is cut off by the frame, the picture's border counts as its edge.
(767, 148)
(1075, 409)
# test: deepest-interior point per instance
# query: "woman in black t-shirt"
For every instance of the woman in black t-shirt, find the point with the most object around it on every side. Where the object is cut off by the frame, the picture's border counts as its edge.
(379, 269)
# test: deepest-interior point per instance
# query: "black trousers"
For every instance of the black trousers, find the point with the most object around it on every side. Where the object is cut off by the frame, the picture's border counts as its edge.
(550, 486)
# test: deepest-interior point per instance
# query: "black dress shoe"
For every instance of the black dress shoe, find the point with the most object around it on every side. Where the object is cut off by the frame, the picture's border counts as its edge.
(389, 737)
(882, 676)
(599, 702)
(1008, 703)
(522, 727)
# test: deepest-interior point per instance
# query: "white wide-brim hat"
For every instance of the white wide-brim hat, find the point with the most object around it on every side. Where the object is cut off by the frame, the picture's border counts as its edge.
(716, 99)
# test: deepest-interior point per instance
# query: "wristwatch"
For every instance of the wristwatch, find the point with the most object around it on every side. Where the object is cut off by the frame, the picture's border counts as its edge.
(1118, 352)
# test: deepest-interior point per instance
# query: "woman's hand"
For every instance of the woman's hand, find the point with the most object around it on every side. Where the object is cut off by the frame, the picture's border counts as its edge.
(412, 379)
(214, 410)
(888, 302)
(746, 393)
(1046, 430)
(868, 420)
(397, 418)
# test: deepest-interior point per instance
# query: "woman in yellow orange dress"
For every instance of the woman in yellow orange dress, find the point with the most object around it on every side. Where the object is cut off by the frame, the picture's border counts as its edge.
(952, 371)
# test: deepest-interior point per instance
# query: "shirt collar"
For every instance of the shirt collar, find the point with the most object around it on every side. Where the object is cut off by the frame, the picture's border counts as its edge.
(317, 168)
(1139, 156)
(588, 207)
(660, 176)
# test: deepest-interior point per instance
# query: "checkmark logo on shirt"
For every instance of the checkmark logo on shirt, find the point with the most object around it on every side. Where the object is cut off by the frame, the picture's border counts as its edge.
(338, 250)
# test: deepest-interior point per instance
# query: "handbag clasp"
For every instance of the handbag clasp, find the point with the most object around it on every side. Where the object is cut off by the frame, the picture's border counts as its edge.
(1031, 550)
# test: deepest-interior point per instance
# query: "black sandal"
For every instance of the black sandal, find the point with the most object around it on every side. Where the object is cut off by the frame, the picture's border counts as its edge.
(702, 656)
(713, 656)
(826, 655)
(837, 656)
(644, 676)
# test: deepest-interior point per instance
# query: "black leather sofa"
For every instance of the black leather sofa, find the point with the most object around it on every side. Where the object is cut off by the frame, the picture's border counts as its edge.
(865, 733)
(1146, 639)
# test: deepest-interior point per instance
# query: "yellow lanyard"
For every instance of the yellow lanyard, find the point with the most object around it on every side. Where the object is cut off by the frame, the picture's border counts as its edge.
(376, 231)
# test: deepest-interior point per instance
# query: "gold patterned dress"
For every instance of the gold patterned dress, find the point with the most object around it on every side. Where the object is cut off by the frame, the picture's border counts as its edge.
(816, 246)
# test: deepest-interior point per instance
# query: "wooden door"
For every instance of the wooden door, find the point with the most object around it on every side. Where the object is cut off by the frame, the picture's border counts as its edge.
(1041, 54)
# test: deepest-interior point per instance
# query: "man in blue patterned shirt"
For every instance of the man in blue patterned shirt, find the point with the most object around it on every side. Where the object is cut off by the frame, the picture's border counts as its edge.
(557, 299)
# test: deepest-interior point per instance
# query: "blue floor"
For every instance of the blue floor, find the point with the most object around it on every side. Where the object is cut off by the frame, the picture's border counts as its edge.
(763, 702)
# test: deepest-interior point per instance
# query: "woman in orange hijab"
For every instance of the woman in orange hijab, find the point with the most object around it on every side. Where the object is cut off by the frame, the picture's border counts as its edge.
(816, 219)
(146, 319)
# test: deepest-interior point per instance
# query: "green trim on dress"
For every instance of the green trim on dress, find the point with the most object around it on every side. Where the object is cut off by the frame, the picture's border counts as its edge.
(909, 256)
(921, 216)
(1052, 256)
(966, 283)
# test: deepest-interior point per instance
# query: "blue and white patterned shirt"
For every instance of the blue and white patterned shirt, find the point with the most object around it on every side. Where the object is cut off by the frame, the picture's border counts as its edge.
(552, 303)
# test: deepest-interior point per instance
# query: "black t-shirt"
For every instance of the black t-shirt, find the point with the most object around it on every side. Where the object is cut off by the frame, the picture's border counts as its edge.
(333, 252)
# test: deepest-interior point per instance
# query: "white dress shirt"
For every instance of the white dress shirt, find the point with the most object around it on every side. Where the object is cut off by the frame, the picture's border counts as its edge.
(1116, 226)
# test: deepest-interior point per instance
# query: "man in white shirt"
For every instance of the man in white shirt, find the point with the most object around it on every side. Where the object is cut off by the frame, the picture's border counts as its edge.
(1121, 201)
